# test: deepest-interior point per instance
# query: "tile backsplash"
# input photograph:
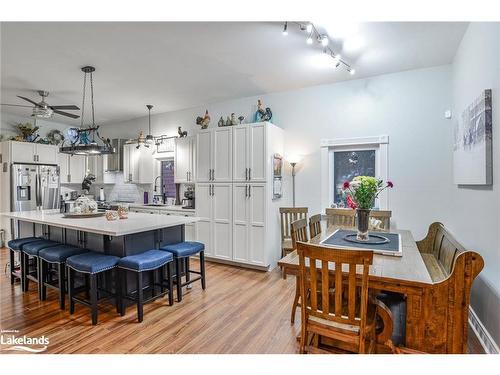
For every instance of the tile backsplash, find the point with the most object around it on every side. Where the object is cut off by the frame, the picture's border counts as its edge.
(117, 191)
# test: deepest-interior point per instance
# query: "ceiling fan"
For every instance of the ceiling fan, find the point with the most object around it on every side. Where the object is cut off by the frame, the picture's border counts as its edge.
(43, 109)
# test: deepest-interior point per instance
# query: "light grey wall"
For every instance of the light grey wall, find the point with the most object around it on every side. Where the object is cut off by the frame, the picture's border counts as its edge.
(476, 213)
(407, 106)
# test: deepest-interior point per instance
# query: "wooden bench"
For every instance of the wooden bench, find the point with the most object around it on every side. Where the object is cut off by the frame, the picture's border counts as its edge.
(446, 303)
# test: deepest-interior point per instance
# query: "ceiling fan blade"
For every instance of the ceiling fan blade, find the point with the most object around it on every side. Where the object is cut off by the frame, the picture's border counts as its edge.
(66, 114)
(17, 105)
(28, 100)
(64, 107)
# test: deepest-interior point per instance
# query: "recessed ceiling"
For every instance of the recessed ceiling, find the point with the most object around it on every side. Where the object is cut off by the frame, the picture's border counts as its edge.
(180, 65)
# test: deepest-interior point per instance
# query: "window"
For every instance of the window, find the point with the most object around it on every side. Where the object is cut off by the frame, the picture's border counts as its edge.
(344, 159)
(167, 178)
(346, 166)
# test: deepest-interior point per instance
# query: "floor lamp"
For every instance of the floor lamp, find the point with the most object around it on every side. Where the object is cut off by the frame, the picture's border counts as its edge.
(293, 160)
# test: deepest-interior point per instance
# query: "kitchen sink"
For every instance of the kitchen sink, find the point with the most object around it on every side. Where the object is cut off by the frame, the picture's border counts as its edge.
(155, 204)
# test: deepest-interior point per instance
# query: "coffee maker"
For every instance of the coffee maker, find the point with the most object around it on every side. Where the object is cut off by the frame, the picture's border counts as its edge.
(188, 201)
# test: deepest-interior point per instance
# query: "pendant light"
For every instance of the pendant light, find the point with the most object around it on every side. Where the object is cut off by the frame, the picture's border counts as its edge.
(149, 137)
(83, 140)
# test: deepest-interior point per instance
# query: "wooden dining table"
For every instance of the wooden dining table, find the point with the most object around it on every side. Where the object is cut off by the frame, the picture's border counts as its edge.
(406, 274)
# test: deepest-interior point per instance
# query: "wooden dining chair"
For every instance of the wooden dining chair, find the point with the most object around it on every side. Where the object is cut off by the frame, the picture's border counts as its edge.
(315, 225)
(299, 233)
(344, 217)
(384, 217)
(345, 315)
(289, 215)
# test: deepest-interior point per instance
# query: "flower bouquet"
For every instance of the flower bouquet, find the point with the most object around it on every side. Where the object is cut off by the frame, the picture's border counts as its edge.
(361, 194)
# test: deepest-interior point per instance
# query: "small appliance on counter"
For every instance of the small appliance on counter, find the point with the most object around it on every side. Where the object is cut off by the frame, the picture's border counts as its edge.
(188, 201)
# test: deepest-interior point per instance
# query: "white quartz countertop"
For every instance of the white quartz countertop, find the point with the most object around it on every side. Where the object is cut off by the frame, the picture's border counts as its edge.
(137, 222)
(162, 207)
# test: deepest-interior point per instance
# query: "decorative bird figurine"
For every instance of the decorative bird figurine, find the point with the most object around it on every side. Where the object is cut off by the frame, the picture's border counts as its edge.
(203, 121)
(181, 133)
(262, 114)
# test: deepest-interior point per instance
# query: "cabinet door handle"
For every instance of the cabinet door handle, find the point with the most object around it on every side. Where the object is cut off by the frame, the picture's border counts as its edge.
(249, 191)
(187, 176)
(246, 174)
(249, 174)
(209, 175)
(69, 178)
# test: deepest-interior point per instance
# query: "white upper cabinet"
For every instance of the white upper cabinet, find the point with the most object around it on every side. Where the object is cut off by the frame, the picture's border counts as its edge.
(257, 152)
(46, 154)
(138, 164)
(249, 153)
(214, 155)
(184, 160)
(222, 154)
(203, 151)
(240, 153)
(28, 152)
(72, 168)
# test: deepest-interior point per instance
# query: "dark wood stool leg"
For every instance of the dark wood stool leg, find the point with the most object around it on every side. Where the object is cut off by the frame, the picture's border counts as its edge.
(23, 286)
(93, 297)
(202, 269)
(12, 268)
(71, 289)
(61, 283)
(37, 261)
(43, 277)
(87, 285)
(119, 291)
(161, 275)
(188, 276)
(25, 270)
(170, 283)
(178, 278)
(139, 297)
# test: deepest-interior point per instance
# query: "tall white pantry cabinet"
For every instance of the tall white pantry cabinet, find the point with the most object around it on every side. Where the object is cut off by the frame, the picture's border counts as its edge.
(239, 220)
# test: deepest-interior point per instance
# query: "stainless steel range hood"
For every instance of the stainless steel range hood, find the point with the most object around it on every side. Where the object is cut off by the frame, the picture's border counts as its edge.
(114, 162)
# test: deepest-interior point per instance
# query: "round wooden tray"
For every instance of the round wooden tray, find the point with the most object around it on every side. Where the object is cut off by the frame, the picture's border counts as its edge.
(373, 239)
(83, 215)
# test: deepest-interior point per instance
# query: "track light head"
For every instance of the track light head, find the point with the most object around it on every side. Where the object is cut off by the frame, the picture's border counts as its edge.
(309, 27)
(285, 29)
(324, 41)
(352, 71)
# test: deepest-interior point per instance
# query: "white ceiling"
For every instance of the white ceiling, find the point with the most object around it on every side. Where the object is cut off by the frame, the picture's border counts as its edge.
(181, 65)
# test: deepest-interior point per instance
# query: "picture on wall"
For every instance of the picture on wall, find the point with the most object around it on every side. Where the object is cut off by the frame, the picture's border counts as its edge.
(472, 148)
(277, 175)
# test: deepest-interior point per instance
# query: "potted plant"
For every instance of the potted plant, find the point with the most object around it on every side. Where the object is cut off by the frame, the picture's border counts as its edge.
(361, 194)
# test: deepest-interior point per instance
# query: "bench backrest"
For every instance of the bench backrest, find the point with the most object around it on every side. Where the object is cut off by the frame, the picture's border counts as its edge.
(446, 303)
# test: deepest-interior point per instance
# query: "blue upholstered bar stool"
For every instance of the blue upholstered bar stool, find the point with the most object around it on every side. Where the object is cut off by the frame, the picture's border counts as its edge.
(154, 261)
(93, 264)
(30, 251)
(15, 247)
(56, 255)
(181, 252)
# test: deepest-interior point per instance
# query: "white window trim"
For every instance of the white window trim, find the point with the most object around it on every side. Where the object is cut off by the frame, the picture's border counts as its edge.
(328, 146)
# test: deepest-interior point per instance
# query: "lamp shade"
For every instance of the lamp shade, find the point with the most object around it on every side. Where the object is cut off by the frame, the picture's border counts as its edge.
(294, 159)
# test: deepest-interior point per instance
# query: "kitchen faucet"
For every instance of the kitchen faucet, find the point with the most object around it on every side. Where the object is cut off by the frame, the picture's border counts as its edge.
(156, 184)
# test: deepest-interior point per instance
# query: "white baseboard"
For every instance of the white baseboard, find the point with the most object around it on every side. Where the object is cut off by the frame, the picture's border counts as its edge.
(482, 334)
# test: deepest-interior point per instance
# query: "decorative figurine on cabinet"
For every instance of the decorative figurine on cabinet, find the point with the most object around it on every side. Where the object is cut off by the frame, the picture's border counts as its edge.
(203, 121)
(182, 133)
(234, 121)
(221, 122)
(228, 121)
(241, 118)
(263, 114)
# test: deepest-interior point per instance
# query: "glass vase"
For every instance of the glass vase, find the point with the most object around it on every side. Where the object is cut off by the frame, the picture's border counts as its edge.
(363, 219)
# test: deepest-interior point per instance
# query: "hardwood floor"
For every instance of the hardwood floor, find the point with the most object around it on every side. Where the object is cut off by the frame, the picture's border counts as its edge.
(241, 311)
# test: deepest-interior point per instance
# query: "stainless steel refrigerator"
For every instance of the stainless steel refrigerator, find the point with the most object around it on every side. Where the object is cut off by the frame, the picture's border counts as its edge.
(34, 187)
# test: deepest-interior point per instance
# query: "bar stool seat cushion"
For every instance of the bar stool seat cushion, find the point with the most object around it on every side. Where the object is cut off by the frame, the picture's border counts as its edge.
(59, 254)
(92, 262)
(20, 242)
(148, 260)
(184, 249)
(33, 248)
